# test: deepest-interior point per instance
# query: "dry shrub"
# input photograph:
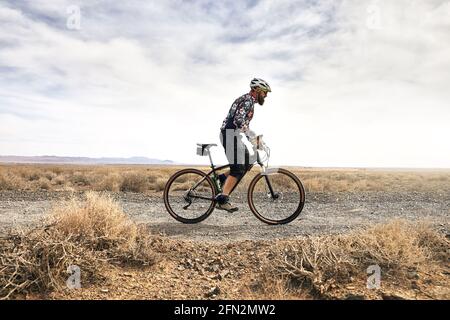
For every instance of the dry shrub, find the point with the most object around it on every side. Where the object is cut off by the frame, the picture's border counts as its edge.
(159, 185)
(91, 234)
(152, 178)
(394, 247)
(59, 181)
(111, 182)
(270, 289)
(100, 224)
(57, 170)
(34, 176)
(38, 260)
(313, 185)
(9, 181)
(134, 182)
(5, 183)
(50, 175)
(31, 175)
(80, 179)
(44, 184)
(319, 263)
(439, 245)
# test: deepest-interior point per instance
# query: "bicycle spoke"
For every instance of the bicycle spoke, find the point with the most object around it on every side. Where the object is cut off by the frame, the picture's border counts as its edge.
(189, 196)
(281, 204)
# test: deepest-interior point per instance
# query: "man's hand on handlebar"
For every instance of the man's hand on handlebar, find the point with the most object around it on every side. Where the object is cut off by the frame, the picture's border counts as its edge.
(256, 140)
(259, 142)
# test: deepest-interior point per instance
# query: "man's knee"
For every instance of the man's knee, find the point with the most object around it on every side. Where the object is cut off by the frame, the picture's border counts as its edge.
(236, 170)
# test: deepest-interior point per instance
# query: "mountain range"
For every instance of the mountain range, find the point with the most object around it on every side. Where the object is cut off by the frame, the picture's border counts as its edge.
(82, 160)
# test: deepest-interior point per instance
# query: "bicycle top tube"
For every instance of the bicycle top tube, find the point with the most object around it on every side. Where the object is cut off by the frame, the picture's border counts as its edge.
(218, 168)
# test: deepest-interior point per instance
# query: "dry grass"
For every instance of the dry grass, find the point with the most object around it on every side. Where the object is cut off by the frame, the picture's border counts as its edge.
(352, 180)
(110, 182)
(11, 181)
(135, 182)
(96, 236)
(100, 224)
(147, 179)
(82, 178)
(323, 265)
(92, 234)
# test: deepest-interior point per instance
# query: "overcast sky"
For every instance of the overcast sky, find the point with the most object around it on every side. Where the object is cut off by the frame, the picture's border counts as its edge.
(355, 83)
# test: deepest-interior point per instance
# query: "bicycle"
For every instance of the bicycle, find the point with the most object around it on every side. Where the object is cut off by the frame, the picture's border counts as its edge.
(275, 196)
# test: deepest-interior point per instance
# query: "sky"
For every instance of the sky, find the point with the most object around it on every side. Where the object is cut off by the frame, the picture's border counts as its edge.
(356, 83)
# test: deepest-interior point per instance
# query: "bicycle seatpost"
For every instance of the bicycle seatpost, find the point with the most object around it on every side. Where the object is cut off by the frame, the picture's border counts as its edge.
(210, 158)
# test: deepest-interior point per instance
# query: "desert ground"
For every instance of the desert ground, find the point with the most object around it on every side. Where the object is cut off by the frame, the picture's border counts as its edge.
(352, 218)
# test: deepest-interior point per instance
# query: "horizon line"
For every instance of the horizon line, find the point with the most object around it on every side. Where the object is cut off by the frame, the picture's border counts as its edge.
(175, 163)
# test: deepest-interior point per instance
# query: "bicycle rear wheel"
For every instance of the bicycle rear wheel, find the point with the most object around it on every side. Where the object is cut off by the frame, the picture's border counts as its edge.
(287, 202)
(189, 196)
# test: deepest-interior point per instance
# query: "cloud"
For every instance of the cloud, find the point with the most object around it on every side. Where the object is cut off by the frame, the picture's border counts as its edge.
(154, 78)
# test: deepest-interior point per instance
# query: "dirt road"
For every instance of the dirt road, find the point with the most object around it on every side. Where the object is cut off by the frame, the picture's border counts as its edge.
(324, 213)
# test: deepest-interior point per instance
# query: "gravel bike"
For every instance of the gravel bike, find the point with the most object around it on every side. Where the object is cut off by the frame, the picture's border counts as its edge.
(275, 195)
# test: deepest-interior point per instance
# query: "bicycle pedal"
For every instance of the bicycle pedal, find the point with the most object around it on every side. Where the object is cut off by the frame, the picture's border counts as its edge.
(187, 206)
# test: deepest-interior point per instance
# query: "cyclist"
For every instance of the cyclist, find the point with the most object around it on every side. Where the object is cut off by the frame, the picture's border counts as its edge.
(235, 130)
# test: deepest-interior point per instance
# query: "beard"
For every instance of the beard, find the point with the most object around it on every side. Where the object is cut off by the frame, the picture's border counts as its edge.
(260, 99)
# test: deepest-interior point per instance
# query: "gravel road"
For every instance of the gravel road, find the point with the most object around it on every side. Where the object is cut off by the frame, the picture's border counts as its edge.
(324, 213)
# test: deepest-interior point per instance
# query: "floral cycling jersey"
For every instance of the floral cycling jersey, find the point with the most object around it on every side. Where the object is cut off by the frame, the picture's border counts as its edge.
(240, 114)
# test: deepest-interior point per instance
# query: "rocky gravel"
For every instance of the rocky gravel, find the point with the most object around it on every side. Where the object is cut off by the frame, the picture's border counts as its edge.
(323, 213)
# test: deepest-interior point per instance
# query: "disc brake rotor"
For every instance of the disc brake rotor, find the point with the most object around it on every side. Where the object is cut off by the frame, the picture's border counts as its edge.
(277, 196)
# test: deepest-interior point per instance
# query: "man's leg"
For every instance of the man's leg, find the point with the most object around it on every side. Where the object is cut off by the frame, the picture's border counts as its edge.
(237, 171)
(231, 175)
(223, 177)
(229, 185)
(223, 198)
(225, 174)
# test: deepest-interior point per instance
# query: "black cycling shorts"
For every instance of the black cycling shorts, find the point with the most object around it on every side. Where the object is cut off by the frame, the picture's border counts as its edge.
(237, 153)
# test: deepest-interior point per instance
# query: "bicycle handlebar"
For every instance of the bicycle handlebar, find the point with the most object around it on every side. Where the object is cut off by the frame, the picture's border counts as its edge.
(262, 146)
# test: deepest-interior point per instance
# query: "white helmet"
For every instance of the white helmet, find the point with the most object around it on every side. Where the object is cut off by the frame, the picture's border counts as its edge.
(260, 83)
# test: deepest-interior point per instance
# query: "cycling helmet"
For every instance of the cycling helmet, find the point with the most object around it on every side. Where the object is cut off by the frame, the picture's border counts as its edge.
(260, 83)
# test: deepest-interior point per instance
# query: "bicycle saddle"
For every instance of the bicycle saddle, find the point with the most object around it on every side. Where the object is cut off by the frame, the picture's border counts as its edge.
(207, 145)
(202, 147)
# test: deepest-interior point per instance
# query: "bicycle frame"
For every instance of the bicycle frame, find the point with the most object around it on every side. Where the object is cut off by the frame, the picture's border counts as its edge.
(215, 176)
(264, 194)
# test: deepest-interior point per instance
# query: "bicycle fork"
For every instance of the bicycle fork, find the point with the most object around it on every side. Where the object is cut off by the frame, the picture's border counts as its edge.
(274, 195)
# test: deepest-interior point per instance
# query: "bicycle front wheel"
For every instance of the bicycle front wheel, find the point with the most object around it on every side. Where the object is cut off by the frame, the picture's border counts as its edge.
(189, 196)
(277, 197)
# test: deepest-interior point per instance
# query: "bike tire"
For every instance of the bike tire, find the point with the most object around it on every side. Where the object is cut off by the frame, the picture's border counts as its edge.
(300, 193)
(170, 208)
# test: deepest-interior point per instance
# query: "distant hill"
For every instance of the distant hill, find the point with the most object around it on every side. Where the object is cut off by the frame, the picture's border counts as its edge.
(82, 160)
